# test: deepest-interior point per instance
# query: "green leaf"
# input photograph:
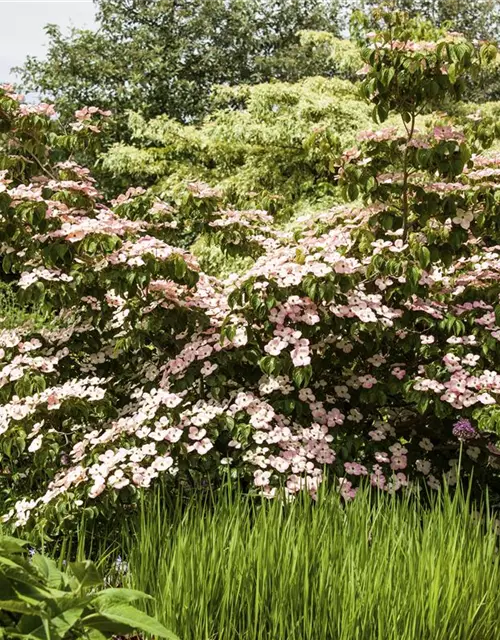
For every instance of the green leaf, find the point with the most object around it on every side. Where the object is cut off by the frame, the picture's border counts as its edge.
(66, 620)
(9, 545)
(101, 623)
(422, 405)
(46, 628)
(381, 113)
(117, 596)
(269, 364)
(127, 616)
(179, 267)
(7, 262)
(18, 606)
(298, 377)
(48, 570)
(424, 257)
(86, 574)
(95, 634)
(452, 73)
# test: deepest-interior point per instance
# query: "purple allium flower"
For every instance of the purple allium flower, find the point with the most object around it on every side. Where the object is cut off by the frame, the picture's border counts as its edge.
(463, 430)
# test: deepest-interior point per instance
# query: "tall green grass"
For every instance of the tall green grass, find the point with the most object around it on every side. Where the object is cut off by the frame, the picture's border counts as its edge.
(379, 569)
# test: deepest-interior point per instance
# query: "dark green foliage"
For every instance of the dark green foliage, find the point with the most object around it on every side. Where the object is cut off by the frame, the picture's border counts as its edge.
(164, 56)
(477, 19)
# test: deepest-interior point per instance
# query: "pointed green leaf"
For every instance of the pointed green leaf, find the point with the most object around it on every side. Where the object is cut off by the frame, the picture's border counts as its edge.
(116, 596)
(17, 606)
(128, 616)
(48, 570)
(86, 573)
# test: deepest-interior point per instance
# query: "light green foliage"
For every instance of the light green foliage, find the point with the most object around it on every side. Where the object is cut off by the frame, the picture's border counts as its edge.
(13, 314)
(483, 118)
(322, 53)
(40, 602)
(214, 260)
(378, 568)
(275, 151)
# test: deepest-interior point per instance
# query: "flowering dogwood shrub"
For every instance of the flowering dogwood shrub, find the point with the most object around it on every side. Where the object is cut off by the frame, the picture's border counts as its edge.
(363, 343)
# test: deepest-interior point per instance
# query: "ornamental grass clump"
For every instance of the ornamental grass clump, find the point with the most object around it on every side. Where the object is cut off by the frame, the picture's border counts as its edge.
(348, 350)
(379, 567)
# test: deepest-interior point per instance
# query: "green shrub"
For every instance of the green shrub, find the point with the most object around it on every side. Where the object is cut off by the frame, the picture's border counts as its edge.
(271, 146)
(365, 343)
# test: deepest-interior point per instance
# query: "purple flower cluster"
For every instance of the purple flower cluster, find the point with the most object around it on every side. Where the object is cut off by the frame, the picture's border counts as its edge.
(463, 430)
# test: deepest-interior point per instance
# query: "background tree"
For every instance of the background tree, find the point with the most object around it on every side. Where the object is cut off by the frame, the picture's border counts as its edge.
(479, 19)
(163, 57)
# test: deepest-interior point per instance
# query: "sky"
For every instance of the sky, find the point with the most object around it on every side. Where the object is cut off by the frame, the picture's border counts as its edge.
(22, 27)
